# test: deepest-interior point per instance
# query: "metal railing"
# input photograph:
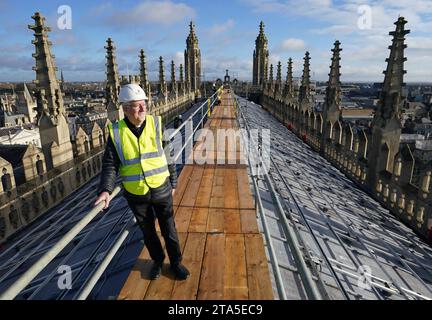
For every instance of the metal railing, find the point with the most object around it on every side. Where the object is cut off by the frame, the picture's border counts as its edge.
(28, 276)
(189, 121)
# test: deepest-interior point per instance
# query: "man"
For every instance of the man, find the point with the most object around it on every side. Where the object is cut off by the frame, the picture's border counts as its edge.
(135, 148)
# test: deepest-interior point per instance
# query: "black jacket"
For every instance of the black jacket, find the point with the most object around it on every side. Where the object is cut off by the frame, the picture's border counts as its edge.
(111, 161)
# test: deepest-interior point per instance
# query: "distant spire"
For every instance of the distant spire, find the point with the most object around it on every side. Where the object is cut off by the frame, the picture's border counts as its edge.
(113, 81)
(182, 83)
(271, 74)
(386, 124)
(192, 56)
(333, 85)
(144, 81)
(279, 74)
(289, 86)
(47, 85)
(61, 76)
(260, 58)
(261, 35)
(162, 83)
(173, 77)
(191, 28)
(192, 38)
(304, 93)
(181, 74)
(331, 108)
(161, 70)
(391, 94)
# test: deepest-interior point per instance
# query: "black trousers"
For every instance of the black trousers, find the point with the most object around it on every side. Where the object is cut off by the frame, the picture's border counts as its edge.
(160, 199)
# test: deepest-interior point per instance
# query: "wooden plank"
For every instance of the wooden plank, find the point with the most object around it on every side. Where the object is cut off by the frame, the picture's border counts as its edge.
(193, 187)
(182, 183)
(231, 195)
(198, 221)
(137, 282)
(258, 275)
(211, 284)
(162, 288)
(193, 260)
(215, 220)
(182, 218)
(217, 193)
(235, 275)
(248, 221)
(232, 221)
(204, 194)
(246, 201)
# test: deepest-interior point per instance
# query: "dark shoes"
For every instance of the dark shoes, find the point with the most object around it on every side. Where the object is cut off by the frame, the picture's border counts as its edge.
(180, 271)
(156, 270)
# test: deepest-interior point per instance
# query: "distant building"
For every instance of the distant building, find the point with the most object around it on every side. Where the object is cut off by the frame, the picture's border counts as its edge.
(23, 135)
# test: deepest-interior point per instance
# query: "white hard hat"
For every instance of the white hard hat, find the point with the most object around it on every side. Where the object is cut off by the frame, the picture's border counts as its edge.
(131, 92)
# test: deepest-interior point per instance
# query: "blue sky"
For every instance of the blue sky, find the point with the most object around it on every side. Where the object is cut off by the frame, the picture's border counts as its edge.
(226, 31)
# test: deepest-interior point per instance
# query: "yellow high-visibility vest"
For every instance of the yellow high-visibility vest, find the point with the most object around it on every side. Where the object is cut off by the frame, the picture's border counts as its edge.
(143, 164)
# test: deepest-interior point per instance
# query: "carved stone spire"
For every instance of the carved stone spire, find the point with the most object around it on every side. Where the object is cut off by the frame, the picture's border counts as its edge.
(331, 108)
(386, 125)
(304, 92)
(61, 80)
(271, 74)
(144, 80)
(53, 127)
(182, 84)
(163, 90)
(45, 68)
(289, 86)
(260, 58)
(278, 77)
(391, 94)
(173, 78)
(113, 84)
(192, 57)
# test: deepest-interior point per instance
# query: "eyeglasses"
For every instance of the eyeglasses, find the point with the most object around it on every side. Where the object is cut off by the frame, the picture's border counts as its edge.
(134, 106)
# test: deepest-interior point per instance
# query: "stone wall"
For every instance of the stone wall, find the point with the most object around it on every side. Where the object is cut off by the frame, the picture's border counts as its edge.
(347, 149)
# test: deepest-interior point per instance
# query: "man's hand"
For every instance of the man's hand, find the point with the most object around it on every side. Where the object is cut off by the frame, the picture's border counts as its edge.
(104, 196)
(173, 192)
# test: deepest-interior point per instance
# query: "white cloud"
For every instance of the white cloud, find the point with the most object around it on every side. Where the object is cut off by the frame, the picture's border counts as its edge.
(274, 59)
(179, 58)
(222, 27)
(421, 43)
(153, 12)
(293, 44)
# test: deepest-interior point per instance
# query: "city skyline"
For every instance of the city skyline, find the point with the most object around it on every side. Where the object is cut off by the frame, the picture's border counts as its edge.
(226, 38)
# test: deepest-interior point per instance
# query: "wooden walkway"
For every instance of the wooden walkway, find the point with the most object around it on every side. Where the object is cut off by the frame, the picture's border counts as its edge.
(216, 221)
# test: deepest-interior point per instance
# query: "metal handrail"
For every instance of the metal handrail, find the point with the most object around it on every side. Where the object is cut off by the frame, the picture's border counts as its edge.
(190, 120)
(192, 115)
(34, 270)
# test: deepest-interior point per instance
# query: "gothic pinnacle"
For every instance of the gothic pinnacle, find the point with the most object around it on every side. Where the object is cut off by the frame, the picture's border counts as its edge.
(46, 81)
(304, 91)
(161, 70)
(181, 73)
(391, 94)
(143, 68)
(271, 73)
(279, 73)
(334, 75)
(289, 87)
(113, 82)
